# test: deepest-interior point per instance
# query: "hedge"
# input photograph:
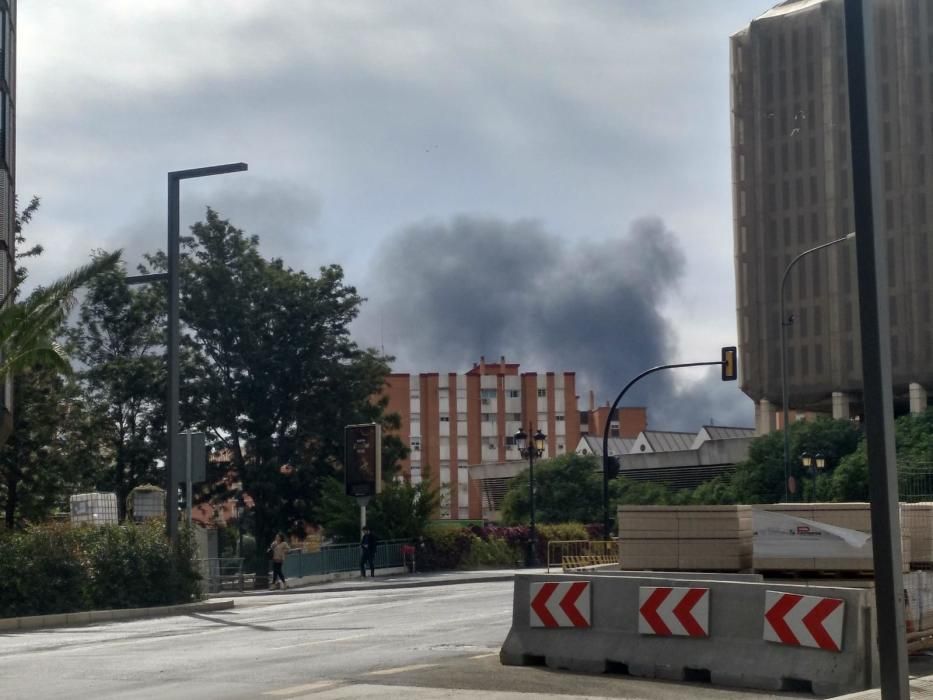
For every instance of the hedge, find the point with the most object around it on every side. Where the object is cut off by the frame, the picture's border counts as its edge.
(58, 568)
(493, 546)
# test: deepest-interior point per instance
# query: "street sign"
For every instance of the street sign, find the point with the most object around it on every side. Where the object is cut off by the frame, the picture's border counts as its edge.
(197, 453)
(804, 620)
(673, 612)
(565, 604)
(363, 460)
(730, 364)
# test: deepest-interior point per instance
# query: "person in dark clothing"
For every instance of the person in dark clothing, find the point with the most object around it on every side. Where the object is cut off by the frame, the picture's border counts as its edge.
(368, 552)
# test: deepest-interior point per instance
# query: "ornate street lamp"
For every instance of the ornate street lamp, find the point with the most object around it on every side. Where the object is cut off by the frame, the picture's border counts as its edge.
(531, 451)
(814, 464)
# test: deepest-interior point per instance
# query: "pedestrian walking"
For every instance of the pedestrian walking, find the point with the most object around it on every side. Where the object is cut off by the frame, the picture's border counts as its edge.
(368, 552)
(278, 549)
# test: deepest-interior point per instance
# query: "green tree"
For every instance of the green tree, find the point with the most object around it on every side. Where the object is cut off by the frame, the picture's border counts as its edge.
(760, 478)
(45, 455)
(50, 453)
(400, 511)
(277, 375)
(567, 488)
(119, 340)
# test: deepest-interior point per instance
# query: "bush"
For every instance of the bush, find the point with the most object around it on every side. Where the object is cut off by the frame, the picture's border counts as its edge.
(58, 568)
(474, 547)
(485, 554)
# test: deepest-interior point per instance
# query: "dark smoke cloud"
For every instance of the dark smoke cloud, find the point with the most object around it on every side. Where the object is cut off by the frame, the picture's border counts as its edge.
(444, 293)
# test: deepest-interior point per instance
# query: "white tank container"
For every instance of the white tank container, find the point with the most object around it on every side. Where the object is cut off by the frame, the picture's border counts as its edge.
(94, 508)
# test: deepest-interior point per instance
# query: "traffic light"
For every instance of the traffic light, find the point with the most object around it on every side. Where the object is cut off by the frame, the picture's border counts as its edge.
(614, 466)
(730, 364)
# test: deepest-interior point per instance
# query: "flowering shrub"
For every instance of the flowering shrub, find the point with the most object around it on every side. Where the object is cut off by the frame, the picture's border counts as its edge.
(492, 545)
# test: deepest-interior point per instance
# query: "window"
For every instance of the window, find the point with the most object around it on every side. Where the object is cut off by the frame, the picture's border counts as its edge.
(512, 393)
(415, 444)
(542, 393)
(487, 393)
(559, 418)
(445, 419)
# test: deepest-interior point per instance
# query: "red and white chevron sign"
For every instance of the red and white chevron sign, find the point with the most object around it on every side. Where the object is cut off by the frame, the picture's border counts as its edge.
(804, 620)
(670, 612)
(564, 604)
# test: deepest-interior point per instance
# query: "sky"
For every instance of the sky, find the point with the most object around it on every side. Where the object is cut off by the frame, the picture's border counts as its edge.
(548, 181)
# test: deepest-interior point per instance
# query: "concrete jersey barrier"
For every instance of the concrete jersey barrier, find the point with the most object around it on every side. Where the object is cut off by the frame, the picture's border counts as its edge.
(732, 649)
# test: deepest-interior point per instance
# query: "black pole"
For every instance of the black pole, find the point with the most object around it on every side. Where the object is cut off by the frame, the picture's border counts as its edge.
(877, 390)
(533, 534)
(606, 523)
(785, 423)
(171, 414)
(173, 253)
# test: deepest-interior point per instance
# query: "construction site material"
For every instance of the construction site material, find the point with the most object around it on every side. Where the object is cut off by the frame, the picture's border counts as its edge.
(917, 521)
(817, 537)
(94, 509)
(571, 555)
(713, 538)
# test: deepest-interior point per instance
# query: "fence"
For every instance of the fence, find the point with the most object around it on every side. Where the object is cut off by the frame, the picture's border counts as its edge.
(340, 557)
(222, 574)
(572, 555)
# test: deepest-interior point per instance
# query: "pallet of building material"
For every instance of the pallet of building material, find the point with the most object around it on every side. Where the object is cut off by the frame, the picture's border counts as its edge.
(917, 520)
(786, 541)
(695, 538)
(637, 554)
(852, 516)
(918, 592)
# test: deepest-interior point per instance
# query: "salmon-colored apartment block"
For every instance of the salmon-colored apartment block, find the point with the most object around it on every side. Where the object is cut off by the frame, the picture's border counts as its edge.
(451, 421)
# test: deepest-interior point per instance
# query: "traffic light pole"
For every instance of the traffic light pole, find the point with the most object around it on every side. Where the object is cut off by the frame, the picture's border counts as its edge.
(728, 374)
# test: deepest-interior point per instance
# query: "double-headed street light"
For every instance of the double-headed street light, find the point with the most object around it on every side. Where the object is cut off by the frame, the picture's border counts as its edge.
(785, 322)
(815, 464)
(531, 451)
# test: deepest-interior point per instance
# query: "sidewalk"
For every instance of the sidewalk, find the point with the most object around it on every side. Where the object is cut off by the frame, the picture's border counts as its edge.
(89, 617)
(386, 579)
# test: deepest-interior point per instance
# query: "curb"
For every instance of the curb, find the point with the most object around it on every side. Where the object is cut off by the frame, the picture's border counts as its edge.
(90, 617)
(358, 586)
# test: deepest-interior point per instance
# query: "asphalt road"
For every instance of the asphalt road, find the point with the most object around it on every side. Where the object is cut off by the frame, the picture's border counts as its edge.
(432, 642)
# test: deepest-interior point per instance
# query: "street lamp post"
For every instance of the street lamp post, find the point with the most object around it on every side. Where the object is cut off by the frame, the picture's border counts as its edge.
(531, 451)
(173, 252)
(815, 464)
(784, 323)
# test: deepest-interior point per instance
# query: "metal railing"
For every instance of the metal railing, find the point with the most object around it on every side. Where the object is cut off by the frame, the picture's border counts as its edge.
(222, 574)
(335, 558)
(573, 555)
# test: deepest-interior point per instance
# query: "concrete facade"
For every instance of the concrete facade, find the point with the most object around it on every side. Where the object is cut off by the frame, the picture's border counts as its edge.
(792, 191)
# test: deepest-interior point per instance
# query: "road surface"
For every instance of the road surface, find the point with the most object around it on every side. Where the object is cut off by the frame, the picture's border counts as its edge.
(433, 642)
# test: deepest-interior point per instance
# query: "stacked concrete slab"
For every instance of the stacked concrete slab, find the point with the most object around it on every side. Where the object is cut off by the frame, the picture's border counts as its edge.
(676, 538)
(918, 588)
(851, 516)
(917, 520)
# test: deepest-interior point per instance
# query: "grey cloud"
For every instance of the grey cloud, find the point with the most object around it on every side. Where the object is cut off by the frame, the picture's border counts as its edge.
(443, 293)
(284, 215)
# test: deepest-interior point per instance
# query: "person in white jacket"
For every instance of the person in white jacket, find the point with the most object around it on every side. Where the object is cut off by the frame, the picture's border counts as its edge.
(278, 549)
